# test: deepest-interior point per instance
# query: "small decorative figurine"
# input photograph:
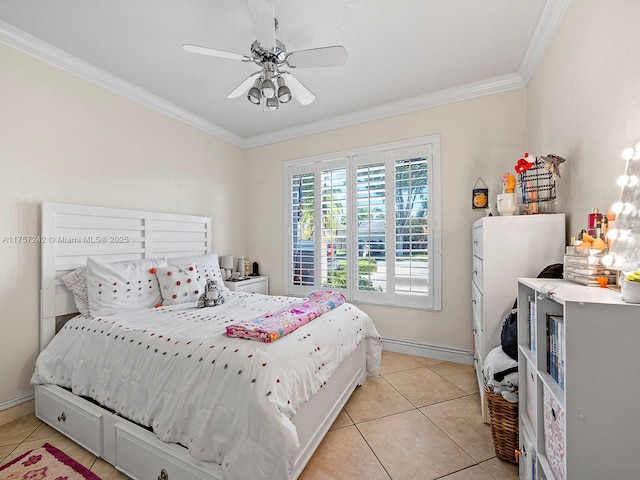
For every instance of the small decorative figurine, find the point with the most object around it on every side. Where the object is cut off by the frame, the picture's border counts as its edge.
(211, 296)
(552, 164)
(508, 183)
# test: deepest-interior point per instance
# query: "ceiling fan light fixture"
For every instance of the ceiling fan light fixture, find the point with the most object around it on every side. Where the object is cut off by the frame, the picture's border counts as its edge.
(254, 95)
(284, 94)
(272, 103)
(271, 56)
(268, 88)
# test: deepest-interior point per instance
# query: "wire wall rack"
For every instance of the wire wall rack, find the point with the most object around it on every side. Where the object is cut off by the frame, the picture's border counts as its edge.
(537, 185)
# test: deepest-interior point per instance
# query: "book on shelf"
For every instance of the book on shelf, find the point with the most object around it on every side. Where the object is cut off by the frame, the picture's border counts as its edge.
(533, 465)
(555, 349)
(531, 320)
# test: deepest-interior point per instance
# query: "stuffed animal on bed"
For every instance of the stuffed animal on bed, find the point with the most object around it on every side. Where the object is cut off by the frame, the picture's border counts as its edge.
(211, 296)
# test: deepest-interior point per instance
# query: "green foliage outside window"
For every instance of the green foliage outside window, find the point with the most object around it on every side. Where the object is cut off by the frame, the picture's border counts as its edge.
(337, 278)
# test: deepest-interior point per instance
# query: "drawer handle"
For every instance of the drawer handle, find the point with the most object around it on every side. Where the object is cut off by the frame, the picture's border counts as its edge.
(553, 413)
(475, 241)
(531, 376)
(473, 300)
(62, 417)
(163, 475)
(475, 272)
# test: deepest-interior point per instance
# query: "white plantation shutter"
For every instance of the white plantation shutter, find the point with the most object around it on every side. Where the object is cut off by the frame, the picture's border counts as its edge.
(367, 224)
(411, 223)
(302, 244)
(333, 211)
(371, 225)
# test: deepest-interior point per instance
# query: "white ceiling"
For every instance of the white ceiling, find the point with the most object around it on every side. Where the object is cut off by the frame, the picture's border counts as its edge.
(403, 55)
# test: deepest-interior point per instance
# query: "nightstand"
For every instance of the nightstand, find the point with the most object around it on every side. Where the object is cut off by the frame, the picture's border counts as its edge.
(250, 285)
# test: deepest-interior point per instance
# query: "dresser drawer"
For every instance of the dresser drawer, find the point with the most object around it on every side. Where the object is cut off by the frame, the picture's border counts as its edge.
(140, 454)
(252, 285)
(256, 287)
(476, 272)
(477, 353)
(77, 419)
(477, 241)
(476, 308)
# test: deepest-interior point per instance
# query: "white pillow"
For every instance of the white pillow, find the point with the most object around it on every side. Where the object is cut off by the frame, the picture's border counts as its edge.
(76, 281)
(207, 267)
(122, 286)
(179, 285)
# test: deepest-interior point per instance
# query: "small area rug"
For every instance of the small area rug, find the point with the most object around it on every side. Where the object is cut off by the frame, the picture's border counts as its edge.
(45, 463)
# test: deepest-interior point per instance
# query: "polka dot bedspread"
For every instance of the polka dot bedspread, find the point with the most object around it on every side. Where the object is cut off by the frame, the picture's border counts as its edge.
(228, 400)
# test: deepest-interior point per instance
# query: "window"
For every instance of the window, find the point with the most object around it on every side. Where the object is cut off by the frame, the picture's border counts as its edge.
(367, 223)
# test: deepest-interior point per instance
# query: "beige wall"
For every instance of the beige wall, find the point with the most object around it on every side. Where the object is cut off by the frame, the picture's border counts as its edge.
(64, 139)
(480, 137)
(584, 101)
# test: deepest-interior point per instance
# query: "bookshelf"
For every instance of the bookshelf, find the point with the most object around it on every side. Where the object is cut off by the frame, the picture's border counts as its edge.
(579, 382)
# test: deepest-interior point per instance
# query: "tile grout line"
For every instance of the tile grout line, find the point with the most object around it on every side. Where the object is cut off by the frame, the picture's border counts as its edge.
(466, 394)
(478, 462)
(373, 451)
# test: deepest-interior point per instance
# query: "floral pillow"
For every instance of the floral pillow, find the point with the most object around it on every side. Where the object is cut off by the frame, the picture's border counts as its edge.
(207, 267)
(122, 286)
(178, 284)
(76, 281)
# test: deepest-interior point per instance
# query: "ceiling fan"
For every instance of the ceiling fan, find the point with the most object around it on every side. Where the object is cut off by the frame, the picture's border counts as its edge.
(267, 86)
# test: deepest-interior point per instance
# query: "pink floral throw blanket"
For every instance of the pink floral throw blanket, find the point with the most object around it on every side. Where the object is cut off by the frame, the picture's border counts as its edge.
(271, 326)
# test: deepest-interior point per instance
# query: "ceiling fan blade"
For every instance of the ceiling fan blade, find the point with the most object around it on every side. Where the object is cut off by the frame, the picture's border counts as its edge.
(298, 90)
(215, 53)
(244, 86)
(335, 56)
(263, 18)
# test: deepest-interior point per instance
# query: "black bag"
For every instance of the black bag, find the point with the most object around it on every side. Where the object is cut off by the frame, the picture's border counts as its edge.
(552, 271)
(509, 333)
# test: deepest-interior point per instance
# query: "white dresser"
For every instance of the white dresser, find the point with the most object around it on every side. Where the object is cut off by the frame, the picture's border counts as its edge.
(258, 284)
(505, 248)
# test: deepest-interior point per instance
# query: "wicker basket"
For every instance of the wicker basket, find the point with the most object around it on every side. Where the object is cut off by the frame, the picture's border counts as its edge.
(504, 426)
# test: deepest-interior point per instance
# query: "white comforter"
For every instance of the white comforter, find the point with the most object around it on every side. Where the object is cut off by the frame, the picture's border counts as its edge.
(229, 401)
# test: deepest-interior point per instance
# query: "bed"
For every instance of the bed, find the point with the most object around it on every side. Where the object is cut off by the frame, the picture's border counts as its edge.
(162, 392)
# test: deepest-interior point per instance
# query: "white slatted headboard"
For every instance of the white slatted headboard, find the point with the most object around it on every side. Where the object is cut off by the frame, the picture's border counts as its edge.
(71, 233)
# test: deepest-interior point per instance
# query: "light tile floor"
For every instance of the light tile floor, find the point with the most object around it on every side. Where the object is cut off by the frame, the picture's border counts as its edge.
(418, 420)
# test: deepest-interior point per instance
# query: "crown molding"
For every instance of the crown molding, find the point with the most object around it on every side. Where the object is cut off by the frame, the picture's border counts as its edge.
(450, 95)
(57, 57)
(547, 25)
(549, 20)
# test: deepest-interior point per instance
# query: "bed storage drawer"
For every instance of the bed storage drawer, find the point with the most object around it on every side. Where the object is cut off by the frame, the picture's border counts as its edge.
(142, 456)
(81, 422)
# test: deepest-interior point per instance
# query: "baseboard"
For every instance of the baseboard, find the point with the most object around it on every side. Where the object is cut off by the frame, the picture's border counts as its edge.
(421, 349)
(15, 408)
